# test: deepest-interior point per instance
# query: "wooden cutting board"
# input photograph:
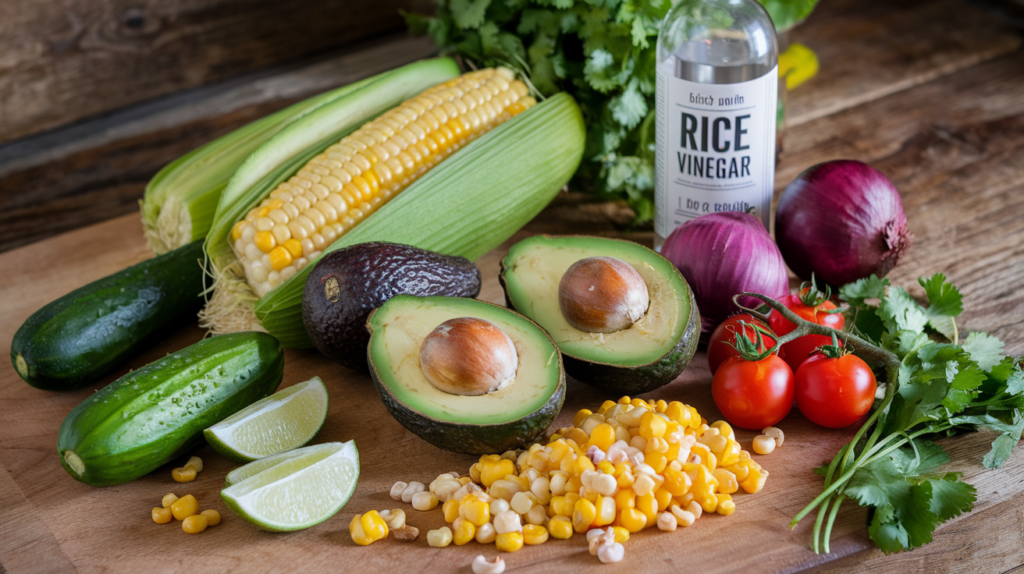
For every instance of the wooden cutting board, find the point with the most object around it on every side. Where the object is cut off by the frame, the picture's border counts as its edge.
(50, 522)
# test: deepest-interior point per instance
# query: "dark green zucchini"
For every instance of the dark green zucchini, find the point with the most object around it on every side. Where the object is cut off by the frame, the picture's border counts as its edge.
(85, 334)
(150, 416)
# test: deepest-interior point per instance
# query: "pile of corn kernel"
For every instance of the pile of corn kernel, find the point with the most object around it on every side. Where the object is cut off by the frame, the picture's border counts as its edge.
(185, 509)
(632, 465)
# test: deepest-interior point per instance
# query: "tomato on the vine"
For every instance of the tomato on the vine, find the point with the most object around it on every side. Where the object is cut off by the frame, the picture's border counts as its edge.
(723, 339)
(834, 392)
(812, 306)
(753, 394)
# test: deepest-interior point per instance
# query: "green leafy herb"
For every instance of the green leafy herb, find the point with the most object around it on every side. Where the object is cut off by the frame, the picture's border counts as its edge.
(934, 389)
(600, 51)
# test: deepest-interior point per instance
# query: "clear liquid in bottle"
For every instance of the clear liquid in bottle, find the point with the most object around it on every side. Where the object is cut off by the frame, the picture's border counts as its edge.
(715, 119)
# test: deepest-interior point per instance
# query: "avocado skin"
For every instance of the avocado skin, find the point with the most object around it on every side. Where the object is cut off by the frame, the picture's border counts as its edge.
(368, 274)
(630, 381)
(470, 438)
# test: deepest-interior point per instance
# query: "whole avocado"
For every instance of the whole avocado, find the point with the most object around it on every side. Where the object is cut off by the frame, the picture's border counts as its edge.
(347, 284)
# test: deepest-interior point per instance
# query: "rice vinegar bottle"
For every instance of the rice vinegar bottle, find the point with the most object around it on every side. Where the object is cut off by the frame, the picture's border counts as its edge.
(715, 119)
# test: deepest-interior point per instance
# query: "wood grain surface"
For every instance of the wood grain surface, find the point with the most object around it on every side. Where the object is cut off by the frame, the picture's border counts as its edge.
(96, 170)
(953, 143)
(62, 61)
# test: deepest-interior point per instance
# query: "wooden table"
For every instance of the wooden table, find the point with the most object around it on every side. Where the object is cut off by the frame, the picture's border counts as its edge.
(931, 93)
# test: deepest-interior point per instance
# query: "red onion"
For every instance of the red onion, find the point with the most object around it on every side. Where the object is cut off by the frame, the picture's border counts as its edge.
(722, 254)
(841, 220)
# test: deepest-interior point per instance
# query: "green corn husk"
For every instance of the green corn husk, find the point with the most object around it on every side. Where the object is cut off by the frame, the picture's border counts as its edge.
(467, 205)
(179, 202)
(230, 307)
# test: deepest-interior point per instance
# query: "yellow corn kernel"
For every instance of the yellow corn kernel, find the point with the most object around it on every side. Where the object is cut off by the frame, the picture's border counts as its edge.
(583, 515)
(212, 517)
(293, 247)
(464, 531)
(695, 420)
(236, 231)
(581, 416)
(475, 510)
(621, 534)
(707, 458)
(625, 498)
(604, 408)
(677, 482)
(663, 498)
(168, 500)
(162, 515)
(754, 481)
(606, 467)
(656, 460)
(727, 483)
(560, 506)
(605, 511)
(710, 502)
(534, 534)
(638, 402)
(367, 528)
(450, 509)
(265, 241)
(280, 258)
(509, 542)
(652, 425)
(184, 507)
(560, 527)
(573, 484)
(731, 454)
(495, 471)
(602, 436)
(632, 520)
(625, 400)
(649, 507)
(183, 474)
(581, 465)
(626, 480)
(194, 524)
(578, 436)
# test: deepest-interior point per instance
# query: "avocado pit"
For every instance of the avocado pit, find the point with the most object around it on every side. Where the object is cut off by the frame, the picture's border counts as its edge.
(468, 356)
(602, 295)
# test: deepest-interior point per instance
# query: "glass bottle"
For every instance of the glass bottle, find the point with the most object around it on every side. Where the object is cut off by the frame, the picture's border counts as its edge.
(715, 122)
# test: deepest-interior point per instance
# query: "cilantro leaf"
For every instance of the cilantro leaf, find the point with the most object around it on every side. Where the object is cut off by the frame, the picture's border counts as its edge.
(951, 497)
(984, 349)
(1002, 446)
(469, 13)
(900, 312)
(943, 298)
(858, 292)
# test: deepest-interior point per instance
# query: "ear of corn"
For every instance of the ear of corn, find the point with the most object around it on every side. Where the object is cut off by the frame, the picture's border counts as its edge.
(314, 132)
(351, 179)
(467, 205)
(179, 202)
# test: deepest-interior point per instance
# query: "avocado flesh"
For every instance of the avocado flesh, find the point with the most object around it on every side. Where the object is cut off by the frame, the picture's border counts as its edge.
(534, 268)
(399, 328)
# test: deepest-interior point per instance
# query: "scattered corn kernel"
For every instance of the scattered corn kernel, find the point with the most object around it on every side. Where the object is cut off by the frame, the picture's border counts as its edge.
(509, 541)
(184, 474)
(394, 517)
(367, 528)
(464, 531)
(486, 534)
(534, 534)
(194, 524)
(424, 501)
(212, 517)
(412, 489)
(196, 463)
(397, 490)
(184, 507)
(764, 444)
(482, 566)
(169, 500)
(162, 515)
(439, 538)
(776, 433)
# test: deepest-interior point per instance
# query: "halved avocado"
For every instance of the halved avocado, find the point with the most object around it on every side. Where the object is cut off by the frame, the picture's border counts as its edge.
(502, 420)
(649, 354)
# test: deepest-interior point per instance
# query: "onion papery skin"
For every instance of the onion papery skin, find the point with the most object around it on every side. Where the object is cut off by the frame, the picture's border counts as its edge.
(722, 254)
(842, 221)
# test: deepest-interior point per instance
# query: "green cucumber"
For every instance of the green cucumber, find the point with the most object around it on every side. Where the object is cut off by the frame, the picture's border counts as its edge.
(467, 205)
(80, 337)
(150, 416)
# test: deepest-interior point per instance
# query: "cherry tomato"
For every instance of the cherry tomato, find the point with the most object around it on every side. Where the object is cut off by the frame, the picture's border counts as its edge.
(720, 346)
(753, 394)
(834, 393)
(796, 352)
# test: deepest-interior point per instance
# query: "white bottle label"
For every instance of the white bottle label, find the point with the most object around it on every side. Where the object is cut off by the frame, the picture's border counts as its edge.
(715, 148)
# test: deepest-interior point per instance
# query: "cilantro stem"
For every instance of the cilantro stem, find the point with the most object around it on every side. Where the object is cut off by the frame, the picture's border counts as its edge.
(832, 519)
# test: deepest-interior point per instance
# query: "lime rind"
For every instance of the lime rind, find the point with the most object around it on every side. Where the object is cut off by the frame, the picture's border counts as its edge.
(285, 420)
(298, 491)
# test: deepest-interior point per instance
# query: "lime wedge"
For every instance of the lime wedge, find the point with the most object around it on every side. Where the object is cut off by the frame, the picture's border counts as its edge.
(285, 420)
(257, 466)
(298, 491)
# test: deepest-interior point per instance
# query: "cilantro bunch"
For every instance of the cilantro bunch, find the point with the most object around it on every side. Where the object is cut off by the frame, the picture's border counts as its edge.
(937, 386)
(600, 51)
